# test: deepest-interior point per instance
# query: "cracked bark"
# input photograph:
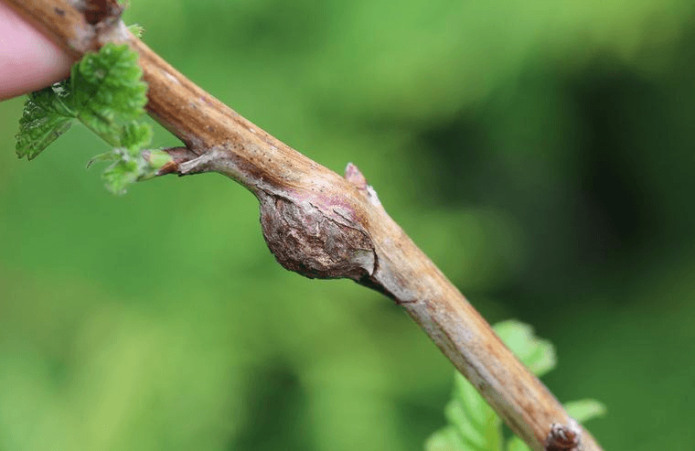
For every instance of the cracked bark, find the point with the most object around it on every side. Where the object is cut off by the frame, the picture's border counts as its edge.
(318, 223)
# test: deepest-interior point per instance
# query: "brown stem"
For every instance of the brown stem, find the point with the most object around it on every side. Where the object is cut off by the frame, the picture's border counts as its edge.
(316, 222)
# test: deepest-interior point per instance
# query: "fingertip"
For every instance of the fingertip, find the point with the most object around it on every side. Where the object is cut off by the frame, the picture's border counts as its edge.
(29, 61)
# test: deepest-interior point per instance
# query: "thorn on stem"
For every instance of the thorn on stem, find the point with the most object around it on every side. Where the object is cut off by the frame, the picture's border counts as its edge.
(354, 176)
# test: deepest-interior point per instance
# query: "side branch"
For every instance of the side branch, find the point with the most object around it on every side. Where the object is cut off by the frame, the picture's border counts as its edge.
(320, 224)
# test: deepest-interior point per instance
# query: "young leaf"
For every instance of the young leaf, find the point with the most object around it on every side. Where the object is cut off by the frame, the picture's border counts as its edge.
(135, 136)
(105, 92)
(122, 173)
(128, 168)
(108, 91)
(47, 115)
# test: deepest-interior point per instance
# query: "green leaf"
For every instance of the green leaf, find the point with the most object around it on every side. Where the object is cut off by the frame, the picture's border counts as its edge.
(446, 439)
(47, 115)
(537, 354)
(157, 158)
(135, 136)
(473, 425)
(585, 410)
(105, 92)
(124, 171)
(108, 91)
(477, 424)
(516, 444)
(136, 29)
(128, 169)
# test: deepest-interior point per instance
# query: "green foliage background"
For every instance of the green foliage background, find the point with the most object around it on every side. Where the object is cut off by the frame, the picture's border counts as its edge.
(541, 152)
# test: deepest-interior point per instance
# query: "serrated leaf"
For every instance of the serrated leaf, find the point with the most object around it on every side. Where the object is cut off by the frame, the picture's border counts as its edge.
(135, 136)
(105, 92)
(47, 115)
(121, 174)
(585, 409)
(537, 354)
(108, 90)
(470, 418)
(128, 169)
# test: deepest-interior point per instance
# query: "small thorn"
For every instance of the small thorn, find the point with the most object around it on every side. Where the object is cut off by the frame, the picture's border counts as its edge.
(354, 176)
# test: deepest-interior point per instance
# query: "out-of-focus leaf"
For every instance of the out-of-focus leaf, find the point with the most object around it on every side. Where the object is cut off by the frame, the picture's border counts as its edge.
(473, 425)
(446, 439)
(470, 418)
(585, 409)
(516, 444)
(537, 354)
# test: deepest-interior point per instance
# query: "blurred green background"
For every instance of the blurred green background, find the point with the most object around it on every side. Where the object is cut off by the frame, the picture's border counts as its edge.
(541, 152)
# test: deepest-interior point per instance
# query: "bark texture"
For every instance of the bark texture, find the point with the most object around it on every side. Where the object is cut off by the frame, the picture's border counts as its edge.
(320, 224)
